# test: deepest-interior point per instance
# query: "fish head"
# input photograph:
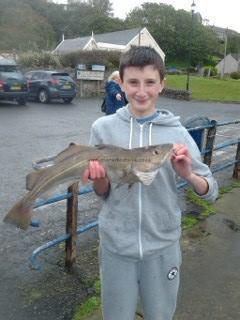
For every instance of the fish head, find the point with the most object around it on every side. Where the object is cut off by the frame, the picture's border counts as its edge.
(152, 157)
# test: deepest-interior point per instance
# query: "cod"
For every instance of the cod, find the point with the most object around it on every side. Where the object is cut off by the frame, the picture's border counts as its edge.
(123, 166)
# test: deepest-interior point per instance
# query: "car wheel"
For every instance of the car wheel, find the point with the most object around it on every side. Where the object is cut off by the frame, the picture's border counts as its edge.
(43, 96)
(22, 101)
(67, 100)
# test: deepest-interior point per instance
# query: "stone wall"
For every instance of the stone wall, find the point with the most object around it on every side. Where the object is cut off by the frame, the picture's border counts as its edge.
(178, 94)
(93, 88)
(90, 88)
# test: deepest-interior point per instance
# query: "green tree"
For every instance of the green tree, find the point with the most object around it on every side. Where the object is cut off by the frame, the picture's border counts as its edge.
(103, 7)
(22, 29)
(83, 18)
(234, 43)
(175, 32)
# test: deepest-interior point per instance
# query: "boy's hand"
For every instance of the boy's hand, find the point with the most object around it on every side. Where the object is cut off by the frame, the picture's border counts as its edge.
(182, 164)
(94, 171)
(98, 174)
(118, 97)
(181, 161)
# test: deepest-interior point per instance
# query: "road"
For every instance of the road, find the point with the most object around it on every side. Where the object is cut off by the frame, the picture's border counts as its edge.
(33, 132)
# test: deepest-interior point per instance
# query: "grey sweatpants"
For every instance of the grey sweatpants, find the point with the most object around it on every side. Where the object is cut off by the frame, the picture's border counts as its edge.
(155, 280)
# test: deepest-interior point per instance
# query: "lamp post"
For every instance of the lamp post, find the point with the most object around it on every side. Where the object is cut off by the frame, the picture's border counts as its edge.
(193, 5)
(225, 52)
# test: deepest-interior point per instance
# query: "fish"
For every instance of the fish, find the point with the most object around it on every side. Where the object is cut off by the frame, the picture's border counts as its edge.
(123, 166)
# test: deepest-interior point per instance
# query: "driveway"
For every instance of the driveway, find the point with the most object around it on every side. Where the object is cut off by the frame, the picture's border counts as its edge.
(33, 132)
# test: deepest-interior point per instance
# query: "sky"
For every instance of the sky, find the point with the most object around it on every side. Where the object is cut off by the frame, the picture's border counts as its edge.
(224, 14)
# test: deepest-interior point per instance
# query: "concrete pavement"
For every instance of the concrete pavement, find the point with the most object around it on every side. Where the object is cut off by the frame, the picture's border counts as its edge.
(210, 277)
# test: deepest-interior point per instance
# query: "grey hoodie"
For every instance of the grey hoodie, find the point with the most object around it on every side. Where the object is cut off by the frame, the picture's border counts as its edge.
(144, 220)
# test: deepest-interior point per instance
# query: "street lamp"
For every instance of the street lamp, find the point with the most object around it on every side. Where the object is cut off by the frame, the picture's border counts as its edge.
(225, 53)
(193, 5)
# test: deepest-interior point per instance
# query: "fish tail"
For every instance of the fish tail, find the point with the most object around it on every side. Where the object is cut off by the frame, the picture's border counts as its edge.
(19, 215)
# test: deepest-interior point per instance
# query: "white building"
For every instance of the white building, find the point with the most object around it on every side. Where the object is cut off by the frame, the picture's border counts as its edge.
(118, 40)
(230, 64)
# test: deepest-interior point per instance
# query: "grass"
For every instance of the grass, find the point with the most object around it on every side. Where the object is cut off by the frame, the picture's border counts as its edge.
(229, 188)
(210, 89)
(208, 208)
(90, 306)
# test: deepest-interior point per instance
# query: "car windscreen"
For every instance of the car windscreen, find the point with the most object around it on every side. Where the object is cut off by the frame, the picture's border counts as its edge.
(8, 69)
(7, 72)
(61, 76)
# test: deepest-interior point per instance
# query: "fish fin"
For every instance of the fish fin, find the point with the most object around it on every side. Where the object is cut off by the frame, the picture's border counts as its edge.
(146, 177)
(70, 151)
(32, 178)
(130, 185)
(102, 146)
(128, 178)
(121, 183)
(20, 215)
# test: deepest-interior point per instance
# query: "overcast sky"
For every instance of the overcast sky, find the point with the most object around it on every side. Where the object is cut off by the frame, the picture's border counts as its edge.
(225, 14)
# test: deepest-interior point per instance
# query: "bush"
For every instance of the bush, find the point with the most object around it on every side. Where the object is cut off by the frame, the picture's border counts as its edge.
(191, 69)
(210, 71)
(235, 75)
(108, 58)
(38, 60)
(173, 71)
(47, 60)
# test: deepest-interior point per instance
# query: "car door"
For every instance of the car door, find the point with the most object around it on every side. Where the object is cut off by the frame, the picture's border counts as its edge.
(32, 78)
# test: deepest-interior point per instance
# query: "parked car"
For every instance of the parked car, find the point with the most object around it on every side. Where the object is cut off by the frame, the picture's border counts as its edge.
(13, 84)
(45, 85)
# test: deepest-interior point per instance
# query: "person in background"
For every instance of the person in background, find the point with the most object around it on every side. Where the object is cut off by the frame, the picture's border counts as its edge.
(115, 97)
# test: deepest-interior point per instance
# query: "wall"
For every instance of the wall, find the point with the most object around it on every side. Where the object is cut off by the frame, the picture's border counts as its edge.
(231, 65)
(145, 39)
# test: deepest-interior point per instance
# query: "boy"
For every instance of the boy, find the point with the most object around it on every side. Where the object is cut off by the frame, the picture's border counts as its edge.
(140, 227)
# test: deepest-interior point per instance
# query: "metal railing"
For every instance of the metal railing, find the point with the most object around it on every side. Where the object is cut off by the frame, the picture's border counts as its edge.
(73, 193)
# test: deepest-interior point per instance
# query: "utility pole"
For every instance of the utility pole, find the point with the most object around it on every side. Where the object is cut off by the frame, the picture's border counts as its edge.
(225, 52)
(193, 5)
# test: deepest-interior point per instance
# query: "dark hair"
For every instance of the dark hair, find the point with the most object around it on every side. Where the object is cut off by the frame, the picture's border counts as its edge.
(141, 57)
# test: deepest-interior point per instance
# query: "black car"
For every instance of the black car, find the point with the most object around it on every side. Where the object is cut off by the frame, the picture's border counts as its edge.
(45, 85)
(13, 84)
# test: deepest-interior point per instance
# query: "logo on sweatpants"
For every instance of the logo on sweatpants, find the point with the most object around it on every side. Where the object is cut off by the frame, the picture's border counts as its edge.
(172, 273)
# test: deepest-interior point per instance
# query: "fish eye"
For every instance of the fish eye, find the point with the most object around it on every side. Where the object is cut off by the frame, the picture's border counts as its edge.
(155, 152)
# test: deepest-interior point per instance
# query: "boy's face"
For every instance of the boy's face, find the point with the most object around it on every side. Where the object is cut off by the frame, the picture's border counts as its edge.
(142, 87)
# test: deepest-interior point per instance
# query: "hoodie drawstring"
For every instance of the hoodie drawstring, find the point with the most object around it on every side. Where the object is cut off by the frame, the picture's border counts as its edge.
(131, 134)
(140, 213)
(150, 134)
